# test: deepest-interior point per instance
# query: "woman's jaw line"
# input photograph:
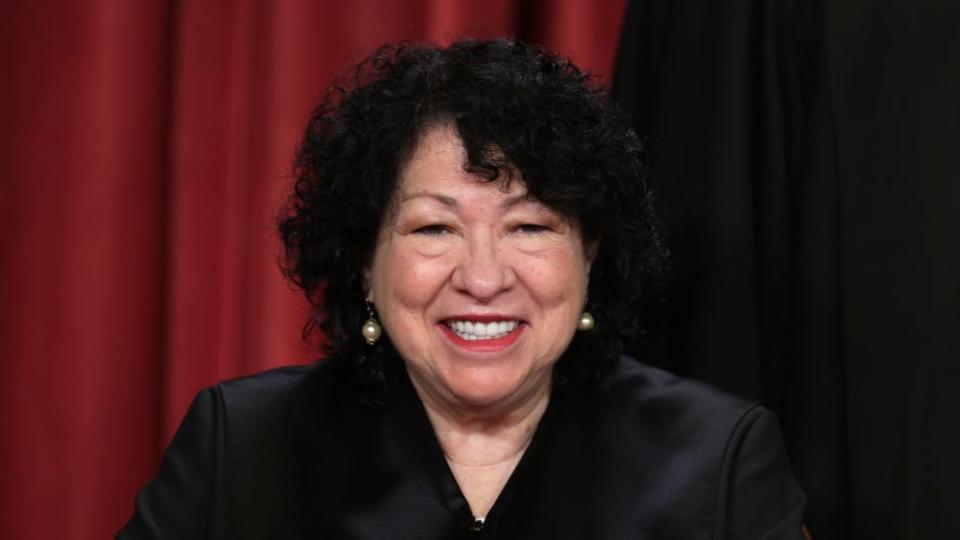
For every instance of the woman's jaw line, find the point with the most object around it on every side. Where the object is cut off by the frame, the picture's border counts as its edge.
(498, 412)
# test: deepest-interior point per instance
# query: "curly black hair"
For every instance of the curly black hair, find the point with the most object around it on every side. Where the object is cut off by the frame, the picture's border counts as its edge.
(515, 106)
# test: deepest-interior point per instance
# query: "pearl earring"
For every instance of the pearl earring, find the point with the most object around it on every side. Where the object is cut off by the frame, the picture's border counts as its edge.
(585, 322)
(586, 319)
(371, 329)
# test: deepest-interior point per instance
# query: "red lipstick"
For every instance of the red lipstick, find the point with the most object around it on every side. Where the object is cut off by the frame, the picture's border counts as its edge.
(489, 317)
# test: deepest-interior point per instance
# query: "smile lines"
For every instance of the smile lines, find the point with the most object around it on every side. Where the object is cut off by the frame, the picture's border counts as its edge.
(475, 331)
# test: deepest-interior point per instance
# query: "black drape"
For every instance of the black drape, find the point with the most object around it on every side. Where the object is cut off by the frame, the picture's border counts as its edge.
(895, 72)
(733, 102)
(842, 313)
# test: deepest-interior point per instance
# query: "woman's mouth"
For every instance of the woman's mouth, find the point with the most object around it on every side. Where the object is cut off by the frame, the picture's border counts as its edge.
(487, 335)
(473, 331)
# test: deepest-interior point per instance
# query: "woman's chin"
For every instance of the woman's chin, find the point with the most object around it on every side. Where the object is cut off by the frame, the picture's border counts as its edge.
(491, 390)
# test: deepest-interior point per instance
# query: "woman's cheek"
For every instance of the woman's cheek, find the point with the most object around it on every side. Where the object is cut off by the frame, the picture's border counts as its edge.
(554, 274)
(420, 272)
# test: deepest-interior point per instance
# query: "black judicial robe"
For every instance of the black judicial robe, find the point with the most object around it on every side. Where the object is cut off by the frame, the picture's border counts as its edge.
(639, 454)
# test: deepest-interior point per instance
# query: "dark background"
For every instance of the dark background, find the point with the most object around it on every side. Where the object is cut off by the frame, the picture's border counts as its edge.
(895, 69)
(806, 164)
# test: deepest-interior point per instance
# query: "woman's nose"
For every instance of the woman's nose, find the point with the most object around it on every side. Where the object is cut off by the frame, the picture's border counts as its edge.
(482, 271)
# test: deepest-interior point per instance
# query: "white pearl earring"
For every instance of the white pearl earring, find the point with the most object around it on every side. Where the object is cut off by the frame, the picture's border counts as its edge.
(586, 319)
(585, 322)
(371, 329)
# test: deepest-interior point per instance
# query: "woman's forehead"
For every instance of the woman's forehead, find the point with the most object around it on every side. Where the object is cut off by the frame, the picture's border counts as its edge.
(438, 138)
(438, 170)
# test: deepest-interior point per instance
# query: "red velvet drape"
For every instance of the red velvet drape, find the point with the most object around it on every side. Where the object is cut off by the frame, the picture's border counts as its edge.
(145, 148)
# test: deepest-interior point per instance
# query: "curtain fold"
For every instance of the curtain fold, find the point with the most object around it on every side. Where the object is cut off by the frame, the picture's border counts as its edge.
(896, 74)
(732, 98)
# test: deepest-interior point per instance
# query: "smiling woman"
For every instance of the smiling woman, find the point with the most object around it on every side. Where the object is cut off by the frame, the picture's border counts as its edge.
(458, 258)
(473, 227)
(480, 287)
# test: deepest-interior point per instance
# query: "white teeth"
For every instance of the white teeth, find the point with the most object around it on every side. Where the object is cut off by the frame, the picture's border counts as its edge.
(472, 331)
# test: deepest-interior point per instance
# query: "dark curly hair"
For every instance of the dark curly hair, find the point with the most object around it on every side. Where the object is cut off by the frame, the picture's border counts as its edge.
(514, 105)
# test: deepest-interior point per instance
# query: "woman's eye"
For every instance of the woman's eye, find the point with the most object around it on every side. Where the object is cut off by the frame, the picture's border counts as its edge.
(530, 228)
(432, 230)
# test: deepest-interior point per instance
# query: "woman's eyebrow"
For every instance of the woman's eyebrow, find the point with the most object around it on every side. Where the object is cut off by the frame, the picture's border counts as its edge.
(444, 199)
(451, 202)
(517, 200)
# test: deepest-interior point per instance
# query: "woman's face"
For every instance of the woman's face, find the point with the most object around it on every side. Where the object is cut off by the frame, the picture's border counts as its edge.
(479, 289)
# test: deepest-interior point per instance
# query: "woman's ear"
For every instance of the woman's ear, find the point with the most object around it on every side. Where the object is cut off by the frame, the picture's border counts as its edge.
(590, 252)
(367, 289)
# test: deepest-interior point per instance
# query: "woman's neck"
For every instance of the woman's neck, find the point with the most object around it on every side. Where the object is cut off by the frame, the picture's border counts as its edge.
(476, 439)
(488, 433)
(482, 447)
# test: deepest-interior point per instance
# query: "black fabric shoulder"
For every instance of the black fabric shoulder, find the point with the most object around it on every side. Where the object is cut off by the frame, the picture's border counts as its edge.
(649, 382)
(292, 453)
(270, 385)
(185, 500)
(681, 407)
(280, 429)
(180, 502)
(760, 498)
(702, 436)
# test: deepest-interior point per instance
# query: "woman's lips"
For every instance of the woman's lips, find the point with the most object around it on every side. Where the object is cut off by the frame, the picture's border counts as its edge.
(500, 338)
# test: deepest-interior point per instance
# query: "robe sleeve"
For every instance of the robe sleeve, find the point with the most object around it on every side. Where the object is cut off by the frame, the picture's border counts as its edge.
(181, 501)
(760, 496)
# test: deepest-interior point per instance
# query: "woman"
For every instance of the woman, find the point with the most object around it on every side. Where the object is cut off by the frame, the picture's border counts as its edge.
(473, 229)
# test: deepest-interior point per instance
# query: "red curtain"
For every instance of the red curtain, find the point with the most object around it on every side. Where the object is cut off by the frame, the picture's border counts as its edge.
(145, 149)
